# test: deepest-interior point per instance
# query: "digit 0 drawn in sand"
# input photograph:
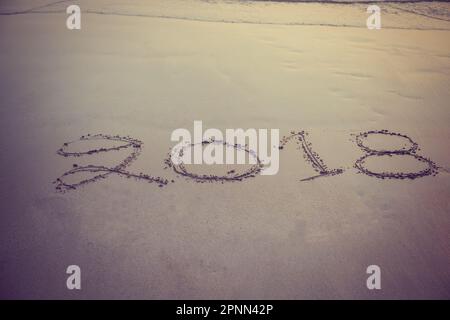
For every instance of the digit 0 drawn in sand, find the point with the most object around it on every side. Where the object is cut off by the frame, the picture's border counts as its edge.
(431, 169)
(103, 171)
(231, 176)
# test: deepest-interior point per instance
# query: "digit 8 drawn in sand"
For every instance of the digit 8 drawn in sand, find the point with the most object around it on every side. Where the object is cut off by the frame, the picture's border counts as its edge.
(411, 152)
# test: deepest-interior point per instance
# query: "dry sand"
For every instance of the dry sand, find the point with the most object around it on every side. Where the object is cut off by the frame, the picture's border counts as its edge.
(147, 68)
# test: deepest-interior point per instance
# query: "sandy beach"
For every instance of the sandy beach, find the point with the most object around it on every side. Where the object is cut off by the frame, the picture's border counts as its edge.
(146, 68)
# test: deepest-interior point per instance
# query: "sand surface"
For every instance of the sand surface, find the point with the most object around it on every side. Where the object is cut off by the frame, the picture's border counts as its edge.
(145, 69)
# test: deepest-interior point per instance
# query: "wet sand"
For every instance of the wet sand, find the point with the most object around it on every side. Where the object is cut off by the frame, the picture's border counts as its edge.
(269, 237)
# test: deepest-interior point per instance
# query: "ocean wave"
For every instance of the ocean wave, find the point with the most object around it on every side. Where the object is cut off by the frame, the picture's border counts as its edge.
(407, 14)
(329, 1)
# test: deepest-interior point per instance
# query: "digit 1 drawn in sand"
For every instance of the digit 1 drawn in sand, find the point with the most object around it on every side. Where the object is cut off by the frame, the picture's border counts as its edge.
(432, 169)
(310, 156)
(103, 171)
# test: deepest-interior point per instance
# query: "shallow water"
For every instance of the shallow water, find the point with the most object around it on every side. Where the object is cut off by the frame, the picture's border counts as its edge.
(398, 14)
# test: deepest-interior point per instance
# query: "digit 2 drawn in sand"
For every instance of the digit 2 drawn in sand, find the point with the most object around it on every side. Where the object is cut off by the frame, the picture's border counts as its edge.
(103, 171)
(432, 169)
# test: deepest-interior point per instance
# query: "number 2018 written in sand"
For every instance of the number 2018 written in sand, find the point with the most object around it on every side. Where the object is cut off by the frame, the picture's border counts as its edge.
(99, 172)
